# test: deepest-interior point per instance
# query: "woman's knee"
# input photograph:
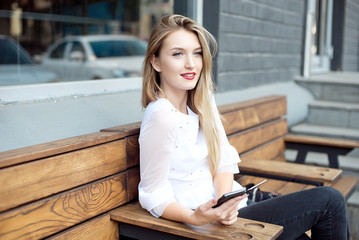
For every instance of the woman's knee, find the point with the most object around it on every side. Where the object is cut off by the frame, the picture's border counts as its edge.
(332, 195)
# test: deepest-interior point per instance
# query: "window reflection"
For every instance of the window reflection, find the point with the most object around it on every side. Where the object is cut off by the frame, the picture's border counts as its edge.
(58, 36)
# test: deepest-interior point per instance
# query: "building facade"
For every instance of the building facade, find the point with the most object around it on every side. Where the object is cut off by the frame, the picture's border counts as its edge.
(263, 46)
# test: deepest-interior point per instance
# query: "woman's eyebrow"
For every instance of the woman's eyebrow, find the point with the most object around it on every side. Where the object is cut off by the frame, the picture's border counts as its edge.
(179, 48)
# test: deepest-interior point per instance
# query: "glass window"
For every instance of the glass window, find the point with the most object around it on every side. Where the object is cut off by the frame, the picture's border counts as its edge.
(59, 51)
(36, 32)
(12, 53)
(122, 48)
(77, 47)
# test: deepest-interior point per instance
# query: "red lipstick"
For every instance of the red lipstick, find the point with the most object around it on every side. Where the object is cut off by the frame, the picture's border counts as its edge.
(189, 75)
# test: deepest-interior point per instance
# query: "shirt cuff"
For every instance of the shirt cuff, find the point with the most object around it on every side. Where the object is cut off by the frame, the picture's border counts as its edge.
(158, 211)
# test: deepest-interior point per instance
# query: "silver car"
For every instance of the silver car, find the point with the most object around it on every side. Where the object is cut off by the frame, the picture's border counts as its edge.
(17, 66)
(96, 57)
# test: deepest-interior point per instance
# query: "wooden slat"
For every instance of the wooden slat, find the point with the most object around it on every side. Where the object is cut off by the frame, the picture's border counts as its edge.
(271, 151)
(327, 176)
(321, 141)
(249, 103)
(256, 136)
(133, 214)
(26, 154)
(280, 158)
(346, 185)
(133, 181)
(46, 217)
(238, 116)
(127, 129)
(132, 151)
(97, 229)
(34, 180)
(273, 185)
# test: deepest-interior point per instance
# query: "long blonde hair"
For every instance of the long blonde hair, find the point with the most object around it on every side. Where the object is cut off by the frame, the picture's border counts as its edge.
(199, 98)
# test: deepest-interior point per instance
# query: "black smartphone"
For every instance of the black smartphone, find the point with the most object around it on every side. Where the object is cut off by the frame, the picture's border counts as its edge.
(234, 194)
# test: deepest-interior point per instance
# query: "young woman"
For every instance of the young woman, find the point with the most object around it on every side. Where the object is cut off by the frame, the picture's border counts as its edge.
(185, 158)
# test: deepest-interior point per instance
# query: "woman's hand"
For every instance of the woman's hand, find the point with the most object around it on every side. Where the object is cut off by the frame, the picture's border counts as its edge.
(226, 213)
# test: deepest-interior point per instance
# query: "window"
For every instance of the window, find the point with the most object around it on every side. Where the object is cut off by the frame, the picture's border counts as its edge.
(49, 33)
(12, 53)
(58, 52)
(122, 48)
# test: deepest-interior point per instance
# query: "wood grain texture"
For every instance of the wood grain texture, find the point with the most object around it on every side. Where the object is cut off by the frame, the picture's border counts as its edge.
(327, 176)
(346, 185)
(100, 228)
(236, 119)
(249, 103)
(127, 129)
(273, 185)
(39, 151)
(132, 151)
(133, 180)
(34, 180)
(132, 213)
(321, 141)
(248, 139)
(46, 217)
(271, 150)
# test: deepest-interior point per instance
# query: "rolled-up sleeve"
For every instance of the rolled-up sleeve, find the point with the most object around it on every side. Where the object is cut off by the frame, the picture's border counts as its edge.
(229, 155)
(157, 140)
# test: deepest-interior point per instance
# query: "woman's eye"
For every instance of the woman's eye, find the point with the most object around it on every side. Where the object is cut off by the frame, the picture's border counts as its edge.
(198, 53)
(177, 54)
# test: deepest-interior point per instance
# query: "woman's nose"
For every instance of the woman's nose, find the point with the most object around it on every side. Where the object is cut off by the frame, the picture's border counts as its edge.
(190, 63)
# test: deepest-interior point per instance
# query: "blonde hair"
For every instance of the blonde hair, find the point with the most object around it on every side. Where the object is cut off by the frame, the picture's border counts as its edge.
(199, 98)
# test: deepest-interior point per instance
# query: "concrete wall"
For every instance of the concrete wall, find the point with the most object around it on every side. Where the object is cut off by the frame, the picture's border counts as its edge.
(351, 36)
(260, 42)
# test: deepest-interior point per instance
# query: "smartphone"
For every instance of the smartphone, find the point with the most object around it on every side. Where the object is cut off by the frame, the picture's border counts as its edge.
(234, 194)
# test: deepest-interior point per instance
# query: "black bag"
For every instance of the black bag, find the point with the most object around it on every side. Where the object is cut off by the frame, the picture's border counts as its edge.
(256, 195)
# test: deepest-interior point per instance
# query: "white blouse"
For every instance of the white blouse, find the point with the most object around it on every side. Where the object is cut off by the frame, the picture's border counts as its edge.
(173, 159)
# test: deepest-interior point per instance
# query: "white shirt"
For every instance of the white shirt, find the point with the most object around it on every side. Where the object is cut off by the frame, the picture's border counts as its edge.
(173, 159)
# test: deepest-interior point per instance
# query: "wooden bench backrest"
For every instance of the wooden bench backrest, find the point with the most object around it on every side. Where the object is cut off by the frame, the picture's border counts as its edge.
(51, 187)
(64, 188)
(256, 128)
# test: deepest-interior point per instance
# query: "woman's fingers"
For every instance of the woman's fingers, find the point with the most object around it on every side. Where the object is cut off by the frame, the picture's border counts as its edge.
(229, 220)
(230, 208)
(226, 213)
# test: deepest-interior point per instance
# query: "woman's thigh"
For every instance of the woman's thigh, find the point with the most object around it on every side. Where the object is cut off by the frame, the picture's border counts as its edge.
(300, 211)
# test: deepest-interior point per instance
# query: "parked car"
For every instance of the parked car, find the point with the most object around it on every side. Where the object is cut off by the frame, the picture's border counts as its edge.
(17, 66)
(95, 57)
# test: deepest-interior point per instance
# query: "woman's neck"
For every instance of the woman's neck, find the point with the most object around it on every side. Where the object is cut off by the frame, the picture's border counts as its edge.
(179, 101)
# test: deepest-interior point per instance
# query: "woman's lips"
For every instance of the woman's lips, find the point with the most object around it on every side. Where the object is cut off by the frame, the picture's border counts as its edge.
(189, 76)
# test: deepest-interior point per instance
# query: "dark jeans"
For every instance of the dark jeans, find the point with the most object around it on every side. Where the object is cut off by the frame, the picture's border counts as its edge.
(320, 209)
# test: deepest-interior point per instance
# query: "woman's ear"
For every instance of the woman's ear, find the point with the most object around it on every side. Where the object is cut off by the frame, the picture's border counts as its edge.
(155, 64)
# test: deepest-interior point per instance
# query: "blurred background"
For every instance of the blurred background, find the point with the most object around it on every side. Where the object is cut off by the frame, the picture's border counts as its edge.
(34, 35)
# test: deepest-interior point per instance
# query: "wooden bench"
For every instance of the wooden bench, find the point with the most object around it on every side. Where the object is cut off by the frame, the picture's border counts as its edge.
(258, 129)
(85, 187)
(332, 147)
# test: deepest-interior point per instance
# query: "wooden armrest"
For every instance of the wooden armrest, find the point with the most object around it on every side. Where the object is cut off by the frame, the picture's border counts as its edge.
(134, 214)
(321, 141)
(291, 171)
